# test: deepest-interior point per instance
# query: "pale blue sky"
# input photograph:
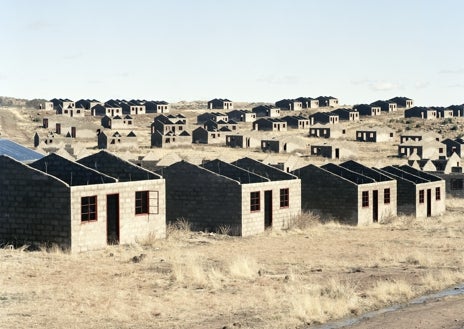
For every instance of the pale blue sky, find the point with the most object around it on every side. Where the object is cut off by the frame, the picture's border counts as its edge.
(244, 50)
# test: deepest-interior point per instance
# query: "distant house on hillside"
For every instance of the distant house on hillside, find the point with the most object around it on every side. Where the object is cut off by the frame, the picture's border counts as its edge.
(385, 106)
(220, 104)
(242, 116)
(289, 105)
(367, 110)
(323, 118)
(308, 102)
(402, 102)
(421, 112)
(270, 124)
(375, 134)
(423, 149)
(346, 114)
(327, 131)
(266, 111)
(157, 107)
(242, 141)
(296, 121)
(443, 112)
(327, 101)
(214, 116)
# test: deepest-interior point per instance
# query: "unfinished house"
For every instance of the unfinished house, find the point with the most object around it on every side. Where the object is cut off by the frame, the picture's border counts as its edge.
(241, 116)
(87, 104)
(327, 101)
(346, 114)
(283, 145)
(270, 124)
(266, 111)
(89, 209)
(419, 194)
(349, 196)
(423, 149)
(402, 102)
(426, 113)
(174, 124)
(63, 103)
(308, 102)
(117, 122)
(443, 112)
(419, 136)
(220, 104)
(289, 105)
(132, 107)
(230, 125)
(327, 131)
(323, 118)
(296, 121)
(385, 106)
(367, 110)
(458, 110)
(221, 195)
(116, 141)
(213, 116)
(47, 106)
(204, 136)
(330, 151)
(375, 135)
(454, 146)
(170, 139)
(242, 141)
(157, 107)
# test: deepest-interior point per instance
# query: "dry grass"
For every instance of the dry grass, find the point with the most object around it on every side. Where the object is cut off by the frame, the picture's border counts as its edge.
(313, 272)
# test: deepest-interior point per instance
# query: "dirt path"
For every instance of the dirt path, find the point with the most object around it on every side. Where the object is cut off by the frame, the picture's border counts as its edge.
(14, 125)
(436, 314)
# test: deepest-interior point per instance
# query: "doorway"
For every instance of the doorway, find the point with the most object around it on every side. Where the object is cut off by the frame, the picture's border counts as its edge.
(429, 202)
(267, 209)
(112, 218)
(375, 206)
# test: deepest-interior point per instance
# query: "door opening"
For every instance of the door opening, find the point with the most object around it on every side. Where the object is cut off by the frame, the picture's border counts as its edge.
(112, 218)
(375, 206)
(267, 209)
(429, 202)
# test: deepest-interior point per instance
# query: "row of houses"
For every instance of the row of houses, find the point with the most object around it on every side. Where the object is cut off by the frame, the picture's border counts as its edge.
(434, 112)
(111, 108)
(102, 199)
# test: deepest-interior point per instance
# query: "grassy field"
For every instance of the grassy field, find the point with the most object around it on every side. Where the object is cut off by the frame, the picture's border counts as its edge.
(312, 273)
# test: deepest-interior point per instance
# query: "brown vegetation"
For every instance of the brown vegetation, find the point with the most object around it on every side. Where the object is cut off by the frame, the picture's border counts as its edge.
(310, 273)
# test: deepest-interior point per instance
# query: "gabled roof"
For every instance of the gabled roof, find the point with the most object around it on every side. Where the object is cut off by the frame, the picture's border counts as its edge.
(116, 167)
(17, 151)
(233, 172)
(347, 174)
(72, 173)
(403, 175)
(375, 174)
(262, 169)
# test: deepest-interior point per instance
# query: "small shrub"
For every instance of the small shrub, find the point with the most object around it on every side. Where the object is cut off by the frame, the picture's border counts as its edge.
(223, 229)
(304, 220)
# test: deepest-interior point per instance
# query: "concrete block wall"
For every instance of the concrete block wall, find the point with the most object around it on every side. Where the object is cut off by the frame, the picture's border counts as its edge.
(406, 196)
(327, 194)
(365, 214)
(438, 207)
(132, 228)
(253, 222)
(34, 206)
(451, 184)
(207, 200)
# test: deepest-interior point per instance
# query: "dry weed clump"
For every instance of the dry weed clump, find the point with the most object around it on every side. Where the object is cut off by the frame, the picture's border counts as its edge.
(304, 221)
(180, 228)
(388, 292)
(321, 303)
(243, 268)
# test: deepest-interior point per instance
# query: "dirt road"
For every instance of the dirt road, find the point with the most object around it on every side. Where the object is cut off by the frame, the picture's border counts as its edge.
(436, 314)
